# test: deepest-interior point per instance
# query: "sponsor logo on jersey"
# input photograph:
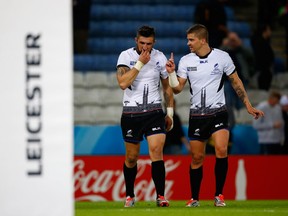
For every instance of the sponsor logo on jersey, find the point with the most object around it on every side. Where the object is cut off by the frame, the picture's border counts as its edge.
(191, 68)
(132, 63)
(203, 61)
(216, 70)
(158, 67)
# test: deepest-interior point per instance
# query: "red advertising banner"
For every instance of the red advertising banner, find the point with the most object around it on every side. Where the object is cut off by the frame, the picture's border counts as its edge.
(99, 178)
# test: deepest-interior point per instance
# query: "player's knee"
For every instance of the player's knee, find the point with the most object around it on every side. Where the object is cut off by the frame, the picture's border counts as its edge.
(197, 159)
(155, 150)
(131, 159)
(221, 151)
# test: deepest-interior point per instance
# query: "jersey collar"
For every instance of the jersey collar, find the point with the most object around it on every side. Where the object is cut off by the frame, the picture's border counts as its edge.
(205, 56)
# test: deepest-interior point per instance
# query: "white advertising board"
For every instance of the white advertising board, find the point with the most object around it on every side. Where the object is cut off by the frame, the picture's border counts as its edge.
(36, 111)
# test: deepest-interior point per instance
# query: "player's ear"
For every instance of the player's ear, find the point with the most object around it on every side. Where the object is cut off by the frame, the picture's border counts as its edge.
(203, 40)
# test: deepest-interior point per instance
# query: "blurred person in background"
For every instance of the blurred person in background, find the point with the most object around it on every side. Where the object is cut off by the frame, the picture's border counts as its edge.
(270, 127)
(175, 139)
(284, 106)
(139, 72)
(264, 56)
(242, 56)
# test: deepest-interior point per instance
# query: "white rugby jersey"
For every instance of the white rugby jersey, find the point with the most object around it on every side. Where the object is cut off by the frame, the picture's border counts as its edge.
(205, 76)
(144, 94)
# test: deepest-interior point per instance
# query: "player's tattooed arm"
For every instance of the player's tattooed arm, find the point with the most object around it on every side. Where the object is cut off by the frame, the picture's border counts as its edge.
(126, 76)
(168, 100)
(167, 93)
(242, 94)
(239, 88)
(122, 70)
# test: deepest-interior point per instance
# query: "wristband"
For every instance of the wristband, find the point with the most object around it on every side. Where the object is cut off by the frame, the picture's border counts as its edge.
(138, 65)
(173, 81)
(170, 112)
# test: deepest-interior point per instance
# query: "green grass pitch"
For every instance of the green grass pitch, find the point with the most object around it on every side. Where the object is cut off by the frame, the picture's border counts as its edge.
(177, 208)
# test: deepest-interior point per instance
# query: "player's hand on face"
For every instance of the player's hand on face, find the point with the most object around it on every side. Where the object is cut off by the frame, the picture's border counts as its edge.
(170, 65)
(144, 56)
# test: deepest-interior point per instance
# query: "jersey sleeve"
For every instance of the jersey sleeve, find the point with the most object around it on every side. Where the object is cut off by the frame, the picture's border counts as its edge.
(162, 63)
(181, 72)
(229, 66)
(123, 59)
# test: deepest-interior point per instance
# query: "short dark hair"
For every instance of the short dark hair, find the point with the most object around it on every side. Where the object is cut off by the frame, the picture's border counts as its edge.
(199, 30)
(146, 31)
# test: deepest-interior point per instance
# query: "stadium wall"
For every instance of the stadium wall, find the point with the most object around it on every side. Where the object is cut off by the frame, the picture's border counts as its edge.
(107, 140)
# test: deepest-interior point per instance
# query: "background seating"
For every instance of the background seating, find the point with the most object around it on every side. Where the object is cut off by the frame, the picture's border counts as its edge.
(113, 25)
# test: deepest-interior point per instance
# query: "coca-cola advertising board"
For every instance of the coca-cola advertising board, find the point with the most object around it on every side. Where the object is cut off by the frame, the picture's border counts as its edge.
(100, 178)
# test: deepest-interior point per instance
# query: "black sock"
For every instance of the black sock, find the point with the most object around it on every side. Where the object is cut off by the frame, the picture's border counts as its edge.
(196, 176)
(158, 176)
(221, 169)
(129, 176)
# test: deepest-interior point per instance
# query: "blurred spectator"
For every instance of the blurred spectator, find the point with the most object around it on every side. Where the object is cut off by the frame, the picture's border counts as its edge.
(242, 56)
(270, 127)
(264, 56)
(212, 14)
(283, 20)
(175, 138)
(284, 105)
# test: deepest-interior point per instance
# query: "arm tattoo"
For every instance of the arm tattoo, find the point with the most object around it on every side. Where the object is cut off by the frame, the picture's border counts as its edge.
(238, 89)
(121, 71)
(168, 99)
(240, 93)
